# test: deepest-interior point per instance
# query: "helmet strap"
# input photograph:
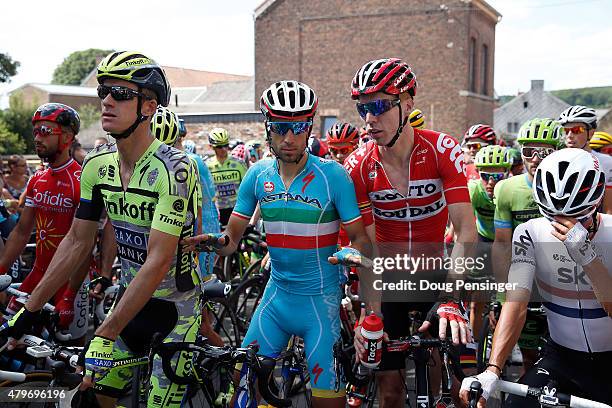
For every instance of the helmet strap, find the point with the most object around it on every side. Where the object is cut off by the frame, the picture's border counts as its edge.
(139, 119)
(402, 123)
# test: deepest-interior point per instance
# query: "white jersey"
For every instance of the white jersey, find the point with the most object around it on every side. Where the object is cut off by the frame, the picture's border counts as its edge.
(576, 319)
(605, 161)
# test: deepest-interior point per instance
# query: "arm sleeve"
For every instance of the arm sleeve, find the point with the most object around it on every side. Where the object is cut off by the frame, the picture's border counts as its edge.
(29, 193)
(91, 203)
(174, 192)
(344, 196)
(247, 195)
(523, 264)
(353, 165)
(452, 171)
(503, 214)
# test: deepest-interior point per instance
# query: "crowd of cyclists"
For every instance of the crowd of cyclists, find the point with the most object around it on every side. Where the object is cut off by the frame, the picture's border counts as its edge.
(144, 196)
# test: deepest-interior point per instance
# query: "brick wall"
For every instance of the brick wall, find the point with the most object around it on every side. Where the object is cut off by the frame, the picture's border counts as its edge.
(324, 42)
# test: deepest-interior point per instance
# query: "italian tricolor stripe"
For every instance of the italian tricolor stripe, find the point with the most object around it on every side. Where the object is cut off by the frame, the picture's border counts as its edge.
(301, 242)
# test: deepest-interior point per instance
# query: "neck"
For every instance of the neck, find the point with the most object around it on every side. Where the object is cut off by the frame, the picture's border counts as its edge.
(220, 159)
(60, 159)
(290, 170)
(401, 150)
(132, 148)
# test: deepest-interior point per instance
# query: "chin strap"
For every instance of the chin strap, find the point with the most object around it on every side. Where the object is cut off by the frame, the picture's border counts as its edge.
(399, 129)
(139, 119)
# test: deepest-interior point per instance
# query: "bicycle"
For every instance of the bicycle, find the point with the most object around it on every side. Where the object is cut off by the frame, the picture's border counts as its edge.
(547, 396)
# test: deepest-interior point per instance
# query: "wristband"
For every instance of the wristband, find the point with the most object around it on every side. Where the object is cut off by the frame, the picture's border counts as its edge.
(496, 366)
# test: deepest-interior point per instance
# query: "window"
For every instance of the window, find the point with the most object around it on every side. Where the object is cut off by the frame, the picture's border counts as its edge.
(472, 65)
(484, 73)
(525, 105)
(328, 122)
(513, 127)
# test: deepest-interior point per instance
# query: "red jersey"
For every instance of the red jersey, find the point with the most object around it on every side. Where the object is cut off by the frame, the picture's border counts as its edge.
(471, 172)
(54, 193)
(436, 179)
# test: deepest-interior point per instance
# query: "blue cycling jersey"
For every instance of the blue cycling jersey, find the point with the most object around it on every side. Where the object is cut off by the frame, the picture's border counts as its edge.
(301, 221)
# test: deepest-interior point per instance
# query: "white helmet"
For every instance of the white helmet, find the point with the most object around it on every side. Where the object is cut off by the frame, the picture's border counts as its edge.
(288, 100)
(580, 114)
(569, 182)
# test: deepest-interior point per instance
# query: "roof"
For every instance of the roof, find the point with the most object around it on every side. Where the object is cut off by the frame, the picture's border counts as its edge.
(539, 104)
(61, 89)
(221, 97)
(182, 77)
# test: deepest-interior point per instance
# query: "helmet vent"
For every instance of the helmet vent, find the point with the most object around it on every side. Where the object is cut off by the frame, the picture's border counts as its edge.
(130, 57)
(562, 169)
(570, 184)
(550, 183)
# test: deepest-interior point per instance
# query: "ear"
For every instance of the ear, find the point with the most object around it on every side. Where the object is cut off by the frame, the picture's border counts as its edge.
(407, 102)
(149, 106)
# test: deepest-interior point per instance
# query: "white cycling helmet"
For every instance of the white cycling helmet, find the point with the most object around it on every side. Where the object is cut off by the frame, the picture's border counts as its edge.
(569, 182)
(580, 114)
(288, 100)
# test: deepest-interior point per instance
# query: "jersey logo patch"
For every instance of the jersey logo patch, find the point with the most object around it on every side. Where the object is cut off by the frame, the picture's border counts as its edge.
(102, 171)
(152, 176)
(178, 205)
(307, 180)
(268, 186)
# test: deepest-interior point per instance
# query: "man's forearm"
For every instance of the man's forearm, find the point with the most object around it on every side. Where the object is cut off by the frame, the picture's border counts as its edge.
(507, 331)
(601, 283)
(501, 254)
(70, 252)
(17, 241)
(78, 275)
(463, 249)
(138, 293)
(108, 252)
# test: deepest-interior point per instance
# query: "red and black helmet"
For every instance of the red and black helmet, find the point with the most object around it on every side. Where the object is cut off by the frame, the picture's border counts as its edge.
(389, 75)
(59, 113)
(482, 132)
(342, 133)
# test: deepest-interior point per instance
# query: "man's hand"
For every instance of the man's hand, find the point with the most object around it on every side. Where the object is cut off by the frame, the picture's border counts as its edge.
(205, 242)
(100, 284)
(452, 312)
(19, 325)
(487, 379)
(575, 238)
(65, 308)
(98, 359)
(350, 257)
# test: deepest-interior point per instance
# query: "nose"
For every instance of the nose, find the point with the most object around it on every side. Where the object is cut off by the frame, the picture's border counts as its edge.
(108, 100)
(491, 182)
(369, 118)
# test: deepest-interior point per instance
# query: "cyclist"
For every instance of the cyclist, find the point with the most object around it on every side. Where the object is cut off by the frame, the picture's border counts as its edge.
(601, 142)
(514, 204)
(303, 200)
(476, 137)
(242, 154)
(580, 123)
(566, 253)
(51, 201)
(227, 173)
(417, 119)
(517, 162)
(255, 151)
(406, 210)
(146, 188)
(342, 139)
(317, 147)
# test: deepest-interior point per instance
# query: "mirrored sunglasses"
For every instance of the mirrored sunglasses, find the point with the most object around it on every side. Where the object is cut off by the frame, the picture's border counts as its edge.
(377, 107)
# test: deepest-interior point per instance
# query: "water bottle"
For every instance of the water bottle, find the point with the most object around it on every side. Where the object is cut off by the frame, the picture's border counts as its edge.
(372, 331)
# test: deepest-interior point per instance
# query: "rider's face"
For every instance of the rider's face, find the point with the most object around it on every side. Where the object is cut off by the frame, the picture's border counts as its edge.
(290, 147)
(577, 134)
(532, 163)
(382, 128)
(117, 116)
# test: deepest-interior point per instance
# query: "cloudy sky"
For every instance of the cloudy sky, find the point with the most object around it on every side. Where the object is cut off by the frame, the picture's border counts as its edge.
(568, 43)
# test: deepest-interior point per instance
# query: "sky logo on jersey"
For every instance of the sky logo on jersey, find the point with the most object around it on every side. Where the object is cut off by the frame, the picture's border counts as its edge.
(268, 186)
(142, 211)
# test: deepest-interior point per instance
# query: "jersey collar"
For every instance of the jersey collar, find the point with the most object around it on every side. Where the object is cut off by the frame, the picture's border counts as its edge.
(153, 147)
(63, 166)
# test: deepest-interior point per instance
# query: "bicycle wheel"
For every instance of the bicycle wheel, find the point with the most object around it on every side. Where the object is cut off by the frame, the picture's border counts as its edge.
(245, 300)
(484, 345)
(225, 323)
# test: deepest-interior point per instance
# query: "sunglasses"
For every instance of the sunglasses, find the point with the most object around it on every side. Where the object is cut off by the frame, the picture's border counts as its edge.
(341, 150)
(486, 176)
(575, 129)
(119, 93)
(44, 131)
(377, 107)
(474, 145)
(281, 128)
(528, 152)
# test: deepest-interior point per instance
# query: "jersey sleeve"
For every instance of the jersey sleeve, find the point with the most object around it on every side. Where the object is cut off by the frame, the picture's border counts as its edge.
(344, 196)
(247, 196)
(473, 190)
(29, 191)
(452, 170)
(174, 194)
(523, 264)
(503, 213)
(353, 164)
(91, 203)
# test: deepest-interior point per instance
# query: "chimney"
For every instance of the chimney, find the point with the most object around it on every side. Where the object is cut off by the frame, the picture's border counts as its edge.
(537, 84)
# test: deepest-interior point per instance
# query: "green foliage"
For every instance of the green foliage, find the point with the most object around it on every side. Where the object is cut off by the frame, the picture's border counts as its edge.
(10, 142)
(76, 66)
(599, 97)
(89, 114)
(18, 120)
(8, 67)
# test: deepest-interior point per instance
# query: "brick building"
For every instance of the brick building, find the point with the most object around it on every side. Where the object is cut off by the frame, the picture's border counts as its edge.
(450, 46)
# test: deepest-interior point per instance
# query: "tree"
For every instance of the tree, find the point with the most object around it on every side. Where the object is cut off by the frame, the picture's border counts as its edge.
(77, 65)
(8, 67)
(89, 114)
(10, 142)
(18, 119)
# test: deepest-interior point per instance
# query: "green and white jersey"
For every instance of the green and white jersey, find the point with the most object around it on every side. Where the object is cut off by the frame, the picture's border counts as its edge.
(484, 209)
(160, 195)
(514, 203)
(227, 177)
